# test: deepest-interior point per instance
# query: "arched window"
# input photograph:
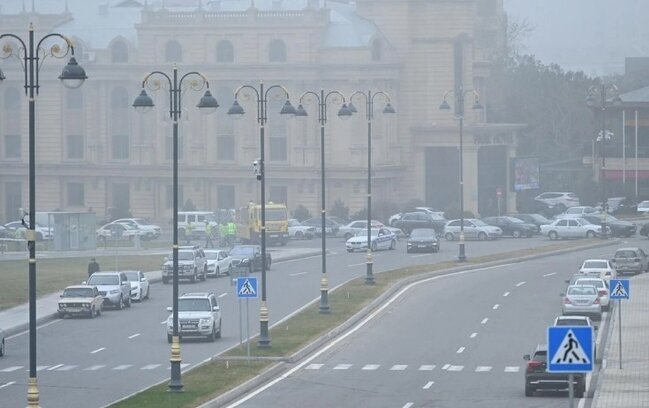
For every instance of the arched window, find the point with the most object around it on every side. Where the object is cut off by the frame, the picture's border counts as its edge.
(277, 51)
(119, 52)
(173, 52)
(376, 50)
(224, 51)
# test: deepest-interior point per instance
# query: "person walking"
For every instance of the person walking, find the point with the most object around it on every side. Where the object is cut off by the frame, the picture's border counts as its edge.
(188, 233)
(208, 235)
(93, 266)
(223, 233)
(232, 232)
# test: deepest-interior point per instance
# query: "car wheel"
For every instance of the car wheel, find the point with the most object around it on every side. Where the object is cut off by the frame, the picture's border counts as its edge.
(268, 265)
(393, 244)
(61, 315)
(347, 236)
(148, 293)
(218, 272)
(408, 250)
(212, 336)
(2, 348)
(590, 234)
(218, 334)
(92, 313)
(581, 389)
(120, 303)
(482, 236)
(169, 338)
(194, 276)
(374, 247)
(350, 250)
(141, 297)
(553, 235)
(204, 276)
(299, 235)
(529, 391)
(229, 270)
(516, 234)
(449, 236)
(128, 301)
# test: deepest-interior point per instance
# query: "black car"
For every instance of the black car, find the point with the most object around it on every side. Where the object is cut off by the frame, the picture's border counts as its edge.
(512, 226)
(536, 219)
(644, 231)
(618, 228)
(422, 239)
(538, 378)
(331, 226)
(412, 220)
(247, 259)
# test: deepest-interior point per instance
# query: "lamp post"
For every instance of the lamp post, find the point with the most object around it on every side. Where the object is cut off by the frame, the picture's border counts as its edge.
(459, 94)
(343, 113)
(369, 115)
(207, 104)
(603, 92)
(72, 77)
(262, 117)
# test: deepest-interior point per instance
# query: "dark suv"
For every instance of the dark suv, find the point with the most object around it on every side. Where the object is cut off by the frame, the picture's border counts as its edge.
(247, 258)
(413, 220)
(538, 378)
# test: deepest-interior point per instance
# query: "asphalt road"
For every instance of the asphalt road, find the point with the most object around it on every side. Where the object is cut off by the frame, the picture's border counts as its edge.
(90, 363)
(450, 342)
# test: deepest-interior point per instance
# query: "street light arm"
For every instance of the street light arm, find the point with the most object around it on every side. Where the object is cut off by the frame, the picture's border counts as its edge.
(194, 85)
(9, 52)
(367, 102)
(154, 85)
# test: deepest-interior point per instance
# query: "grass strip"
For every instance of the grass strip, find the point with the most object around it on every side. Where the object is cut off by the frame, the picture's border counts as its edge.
(219, 376)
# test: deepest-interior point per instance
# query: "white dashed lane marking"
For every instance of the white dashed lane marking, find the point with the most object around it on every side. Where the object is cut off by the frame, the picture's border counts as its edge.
(66, 368)
(460, 350)
(150, 367)
(505, 294)
(134, 336)
(122, 367)
(94, 368)
(54, 367)
(549, 274)
(398, 367)
(298, 273)
(98, 350)
(455, 368)
(427, 367)
(428, 385)
(473, 335)
(482, 369)
(370, 367)
(485, 320)
(512, 369)
(496, 306)
(10, 369)
(7, 384)
(313, 367)
(223, 295)
(520, 284)
(408, 405)
(342, 367)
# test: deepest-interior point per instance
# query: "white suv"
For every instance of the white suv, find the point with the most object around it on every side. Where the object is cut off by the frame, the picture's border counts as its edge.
(192, 265)
(558, 200)
(199, 315)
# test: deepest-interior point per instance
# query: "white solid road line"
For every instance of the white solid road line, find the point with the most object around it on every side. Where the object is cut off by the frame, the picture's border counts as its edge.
(54, 367)
(298, 273)
(460, 350)
(134, 336)
(351, 331)
(10, 369)
(223, 295)
(473, 335)
(428, 385)
(549, 274)
(98, 350)
(7, 384)
(485, 320)
(520, 284)
(39, 327)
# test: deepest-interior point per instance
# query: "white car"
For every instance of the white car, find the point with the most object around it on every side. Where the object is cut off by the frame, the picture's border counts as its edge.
(601, 286)
(199, 315)
(41, 231)
(354, 227)
(219, 263)
(381, 238)
(298, 231)
(473, 229)
(577, 212)
(598, 267)
(140, 288)
(643, 207)
(116, 232)
(570, 228)
(558, 200)
(150, 231)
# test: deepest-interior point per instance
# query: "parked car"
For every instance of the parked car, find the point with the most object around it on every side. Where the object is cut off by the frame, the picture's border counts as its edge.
(598, 267)
(630, 260)
(83, 300)
(582, 300)
(620, 205)
(117, 232)
(354, 227)
(149, 231)
(113, 286)
(571, 228)
(298, 231)
(538, 378)
(247, 259)
(512, 226)
(601, 286)
(219, 262)
(199, 315)
(410, 221)
(580, 212)
(3, 350)
(192, 264)
(577, 320)
(422, 239)
(473, 229)
(535, 219)
(643, 207)
(644, 230)
(618, 228)
(381, 238)
(140, 288)
(41, 231)
(557, 201)
(331, 226)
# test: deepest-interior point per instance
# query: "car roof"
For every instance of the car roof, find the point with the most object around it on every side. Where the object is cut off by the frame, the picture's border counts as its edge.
(79, 286)
(107, 272)
(196, 295)
(627, 249)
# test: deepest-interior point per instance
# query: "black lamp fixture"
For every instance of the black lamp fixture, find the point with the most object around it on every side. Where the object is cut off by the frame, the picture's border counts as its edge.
(207, 104)
(73, 76)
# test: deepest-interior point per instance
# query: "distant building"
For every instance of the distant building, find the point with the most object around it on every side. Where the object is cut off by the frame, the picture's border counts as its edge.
(94, 151)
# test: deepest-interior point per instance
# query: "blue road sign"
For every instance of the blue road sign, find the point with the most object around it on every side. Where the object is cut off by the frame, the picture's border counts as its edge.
(619, 289)
(246, 287)
(570, 349)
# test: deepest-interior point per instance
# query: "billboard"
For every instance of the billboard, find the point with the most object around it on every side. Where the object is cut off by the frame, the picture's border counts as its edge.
(525, 173)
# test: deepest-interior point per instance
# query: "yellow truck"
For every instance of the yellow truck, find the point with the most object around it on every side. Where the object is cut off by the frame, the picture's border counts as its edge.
(248, 222)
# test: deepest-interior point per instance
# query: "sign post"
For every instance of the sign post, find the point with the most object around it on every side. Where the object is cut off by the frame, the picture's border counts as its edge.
(621, 289)
(570, 350)
(246, 289)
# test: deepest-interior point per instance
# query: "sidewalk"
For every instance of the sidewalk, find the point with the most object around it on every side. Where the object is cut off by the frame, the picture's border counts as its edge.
(16, 319)
(628, 387)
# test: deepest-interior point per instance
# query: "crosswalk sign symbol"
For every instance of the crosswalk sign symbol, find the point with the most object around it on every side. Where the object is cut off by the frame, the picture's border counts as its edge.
(570, 349)
(247, 287)
(619, 289)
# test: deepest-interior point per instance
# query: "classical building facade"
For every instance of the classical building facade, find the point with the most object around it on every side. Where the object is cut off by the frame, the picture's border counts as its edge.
(95, 153)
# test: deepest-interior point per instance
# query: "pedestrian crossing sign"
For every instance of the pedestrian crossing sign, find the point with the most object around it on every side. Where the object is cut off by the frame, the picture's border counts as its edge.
(246, 287)
(570, 349)
(619, 289)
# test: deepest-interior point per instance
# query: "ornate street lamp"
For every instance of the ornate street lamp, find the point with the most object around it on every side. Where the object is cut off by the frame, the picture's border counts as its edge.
(207, 104)
(72, 77)
(597, 99)
(369, 115)
(262, 117)
(344, 113)
(459, 94)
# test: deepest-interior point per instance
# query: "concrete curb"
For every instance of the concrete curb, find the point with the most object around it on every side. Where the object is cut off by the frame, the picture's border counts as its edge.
(281, 367)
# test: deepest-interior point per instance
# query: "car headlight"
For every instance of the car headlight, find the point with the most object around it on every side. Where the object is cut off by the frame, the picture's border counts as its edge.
(205, 322)
(114, 291)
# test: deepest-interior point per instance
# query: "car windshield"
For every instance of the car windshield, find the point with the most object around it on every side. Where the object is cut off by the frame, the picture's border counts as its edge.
(242, 251)
(595, 265)
(132, 276)
(184, 256)
(194, 305)
(581, 290)
(422, 233)
(592, 282)
(78, 292)
(103, 280)
(479, 223)
(541, 356)
(514, 220)
(211, 255)
(626, 254)
(609, 217)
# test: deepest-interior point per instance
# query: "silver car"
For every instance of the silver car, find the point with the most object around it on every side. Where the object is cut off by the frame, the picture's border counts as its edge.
(199, 315)
(582, 300)
(473, 229)
(113, 286)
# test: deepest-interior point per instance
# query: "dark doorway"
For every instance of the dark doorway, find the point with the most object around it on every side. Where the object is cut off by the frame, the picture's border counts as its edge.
(442, 182)
(13, 200)
(121, 201)
(492, 179)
